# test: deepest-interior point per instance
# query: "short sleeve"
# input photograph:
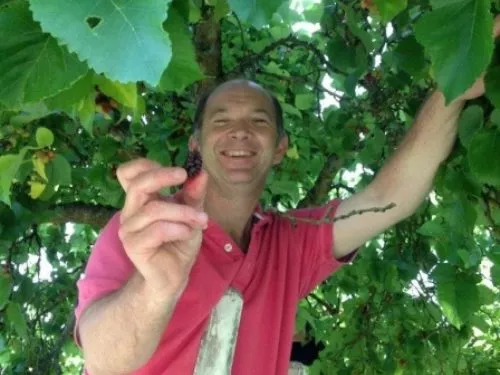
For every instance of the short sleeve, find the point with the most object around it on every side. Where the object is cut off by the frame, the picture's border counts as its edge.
(314, 235)
(107, 269)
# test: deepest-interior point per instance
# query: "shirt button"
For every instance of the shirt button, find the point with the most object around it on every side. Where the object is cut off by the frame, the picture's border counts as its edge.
(228, 247)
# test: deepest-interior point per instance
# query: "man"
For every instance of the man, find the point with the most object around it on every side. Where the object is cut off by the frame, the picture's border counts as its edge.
(160, 266)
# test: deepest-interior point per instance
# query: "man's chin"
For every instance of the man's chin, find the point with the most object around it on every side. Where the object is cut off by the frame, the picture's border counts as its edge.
(241, 177)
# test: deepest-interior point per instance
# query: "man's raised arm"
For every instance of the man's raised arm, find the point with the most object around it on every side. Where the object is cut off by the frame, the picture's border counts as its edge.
(407, 177)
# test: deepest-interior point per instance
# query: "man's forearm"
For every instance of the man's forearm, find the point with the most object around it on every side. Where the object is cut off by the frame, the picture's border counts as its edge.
(121, 332)
(407, 176)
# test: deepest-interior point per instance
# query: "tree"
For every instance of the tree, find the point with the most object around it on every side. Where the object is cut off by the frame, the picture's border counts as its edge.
(84, 89)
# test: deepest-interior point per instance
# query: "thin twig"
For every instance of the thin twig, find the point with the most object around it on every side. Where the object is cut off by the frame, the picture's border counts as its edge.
(325, 219)
(332, 310)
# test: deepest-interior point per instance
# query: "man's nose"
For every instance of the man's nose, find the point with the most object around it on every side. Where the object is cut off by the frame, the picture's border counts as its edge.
(240, 130)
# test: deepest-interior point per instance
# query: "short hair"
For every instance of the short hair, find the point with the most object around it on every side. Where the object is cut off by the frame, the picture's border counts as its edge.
(202, 103)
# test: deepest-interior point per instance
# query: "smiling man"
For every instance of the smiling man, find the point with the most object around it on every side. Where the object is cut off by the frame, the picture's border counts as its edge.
(162, 268)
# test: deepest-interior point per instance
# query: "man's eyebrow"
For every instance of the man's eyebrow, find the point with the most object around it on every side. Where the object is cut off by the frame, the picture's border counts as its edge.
(219, 110)
(262, 110)
(216, 111)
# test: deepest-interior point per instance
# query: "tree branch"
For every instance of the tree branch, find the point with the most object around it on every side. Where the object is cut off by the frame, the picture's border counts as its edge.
(82, 213)
(291, 41)
(331, 309)
(207, 40)
(323, 183)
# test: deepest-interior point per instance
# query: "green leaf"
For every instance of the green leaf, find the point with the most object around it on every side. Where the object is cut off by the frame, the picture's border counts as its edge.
(120, 38)
(9, 165)
(353, 20)
(183, 69)
(495, 117)
(457, 35)
(5, 285)
(471, 120)
(495, 274)
(492, 82)
(255, 12)
(36, 189)
(66, 99)
(304, 101)
(30, 112)
(16, 318)
(483, 156)
(409, 56)
(342, 56)
(44, 137)
(125, 94)
(33, 66)
(221, 9)
(290, 109)
(59, 171)
(86, 113)
(457, 293)
(388, 9)
(432, 228)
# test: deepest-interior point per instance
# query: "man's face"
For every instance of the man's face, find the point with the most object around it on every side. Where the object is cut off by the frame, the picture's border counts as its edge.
(239, 138)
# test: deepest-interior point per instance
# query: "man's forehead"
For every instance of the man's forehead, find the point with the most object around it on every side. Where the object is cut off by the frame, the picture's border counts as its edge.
(239, 87)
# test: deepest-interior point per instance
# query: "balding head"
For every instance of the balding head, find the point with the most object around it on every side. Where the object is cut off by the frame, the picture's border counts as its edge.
(237, 84)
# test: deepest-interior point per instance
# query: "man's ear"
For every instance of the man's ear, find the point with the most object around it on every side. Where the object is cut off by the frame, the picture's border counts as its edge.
(194, 143)
(280, 150)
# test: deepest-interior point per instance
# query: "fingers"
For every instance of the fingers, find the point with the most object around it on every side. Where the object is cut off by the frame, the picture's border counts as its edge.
(194, 190)
(155, 211)
(141, 187)
(128, 171)
(155, 235)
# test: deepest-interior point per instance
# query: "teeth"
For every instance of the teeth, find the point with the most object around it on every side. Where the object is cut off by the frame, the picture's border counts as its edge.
(238, 153)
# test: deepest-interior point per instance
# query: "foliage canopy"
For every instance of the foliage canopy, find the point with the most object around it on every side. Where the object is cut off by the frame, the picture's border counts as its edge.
(85, 88)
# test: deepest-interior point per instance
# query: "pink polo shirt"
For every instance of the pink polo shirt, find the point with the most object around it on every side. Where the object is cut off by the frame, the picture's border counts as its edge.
(284, 262)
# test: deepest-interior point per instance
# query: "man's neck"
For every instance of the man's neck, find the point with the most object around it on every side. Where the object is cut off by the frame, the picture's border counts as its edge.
(233, 212)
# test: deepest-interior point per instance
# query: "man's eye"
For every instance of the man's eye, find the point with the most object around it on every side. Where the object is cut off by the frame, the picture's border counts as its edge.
(221, 122)
(260, 121)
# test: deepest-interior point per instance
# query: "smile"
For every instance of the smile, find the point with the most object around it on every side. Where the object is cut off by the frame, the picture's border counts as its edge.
(238, 153)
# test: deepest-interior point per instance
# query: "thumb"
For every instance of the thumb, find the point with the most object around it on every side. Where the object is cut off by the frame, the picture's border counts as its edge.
(194, 190)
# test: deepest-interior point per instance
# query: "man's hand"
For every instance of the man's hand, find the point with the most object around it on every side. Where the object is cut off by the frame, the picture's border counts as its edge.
(161, 236)
(478, 88)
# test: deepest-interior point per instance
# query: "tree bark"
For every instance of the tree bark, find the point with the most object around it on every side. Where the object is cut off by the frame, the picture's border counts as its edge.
(207, 41)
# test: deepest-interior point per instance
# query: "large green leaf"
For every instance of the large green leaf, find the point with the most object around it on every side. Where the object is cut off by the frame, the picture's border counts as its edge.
(67, 99)
(256, 12)
(122, 39)
(388, 9)
(457, 294)
(32, 65)
(483, 156)
(183, 68)
(457, 35)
